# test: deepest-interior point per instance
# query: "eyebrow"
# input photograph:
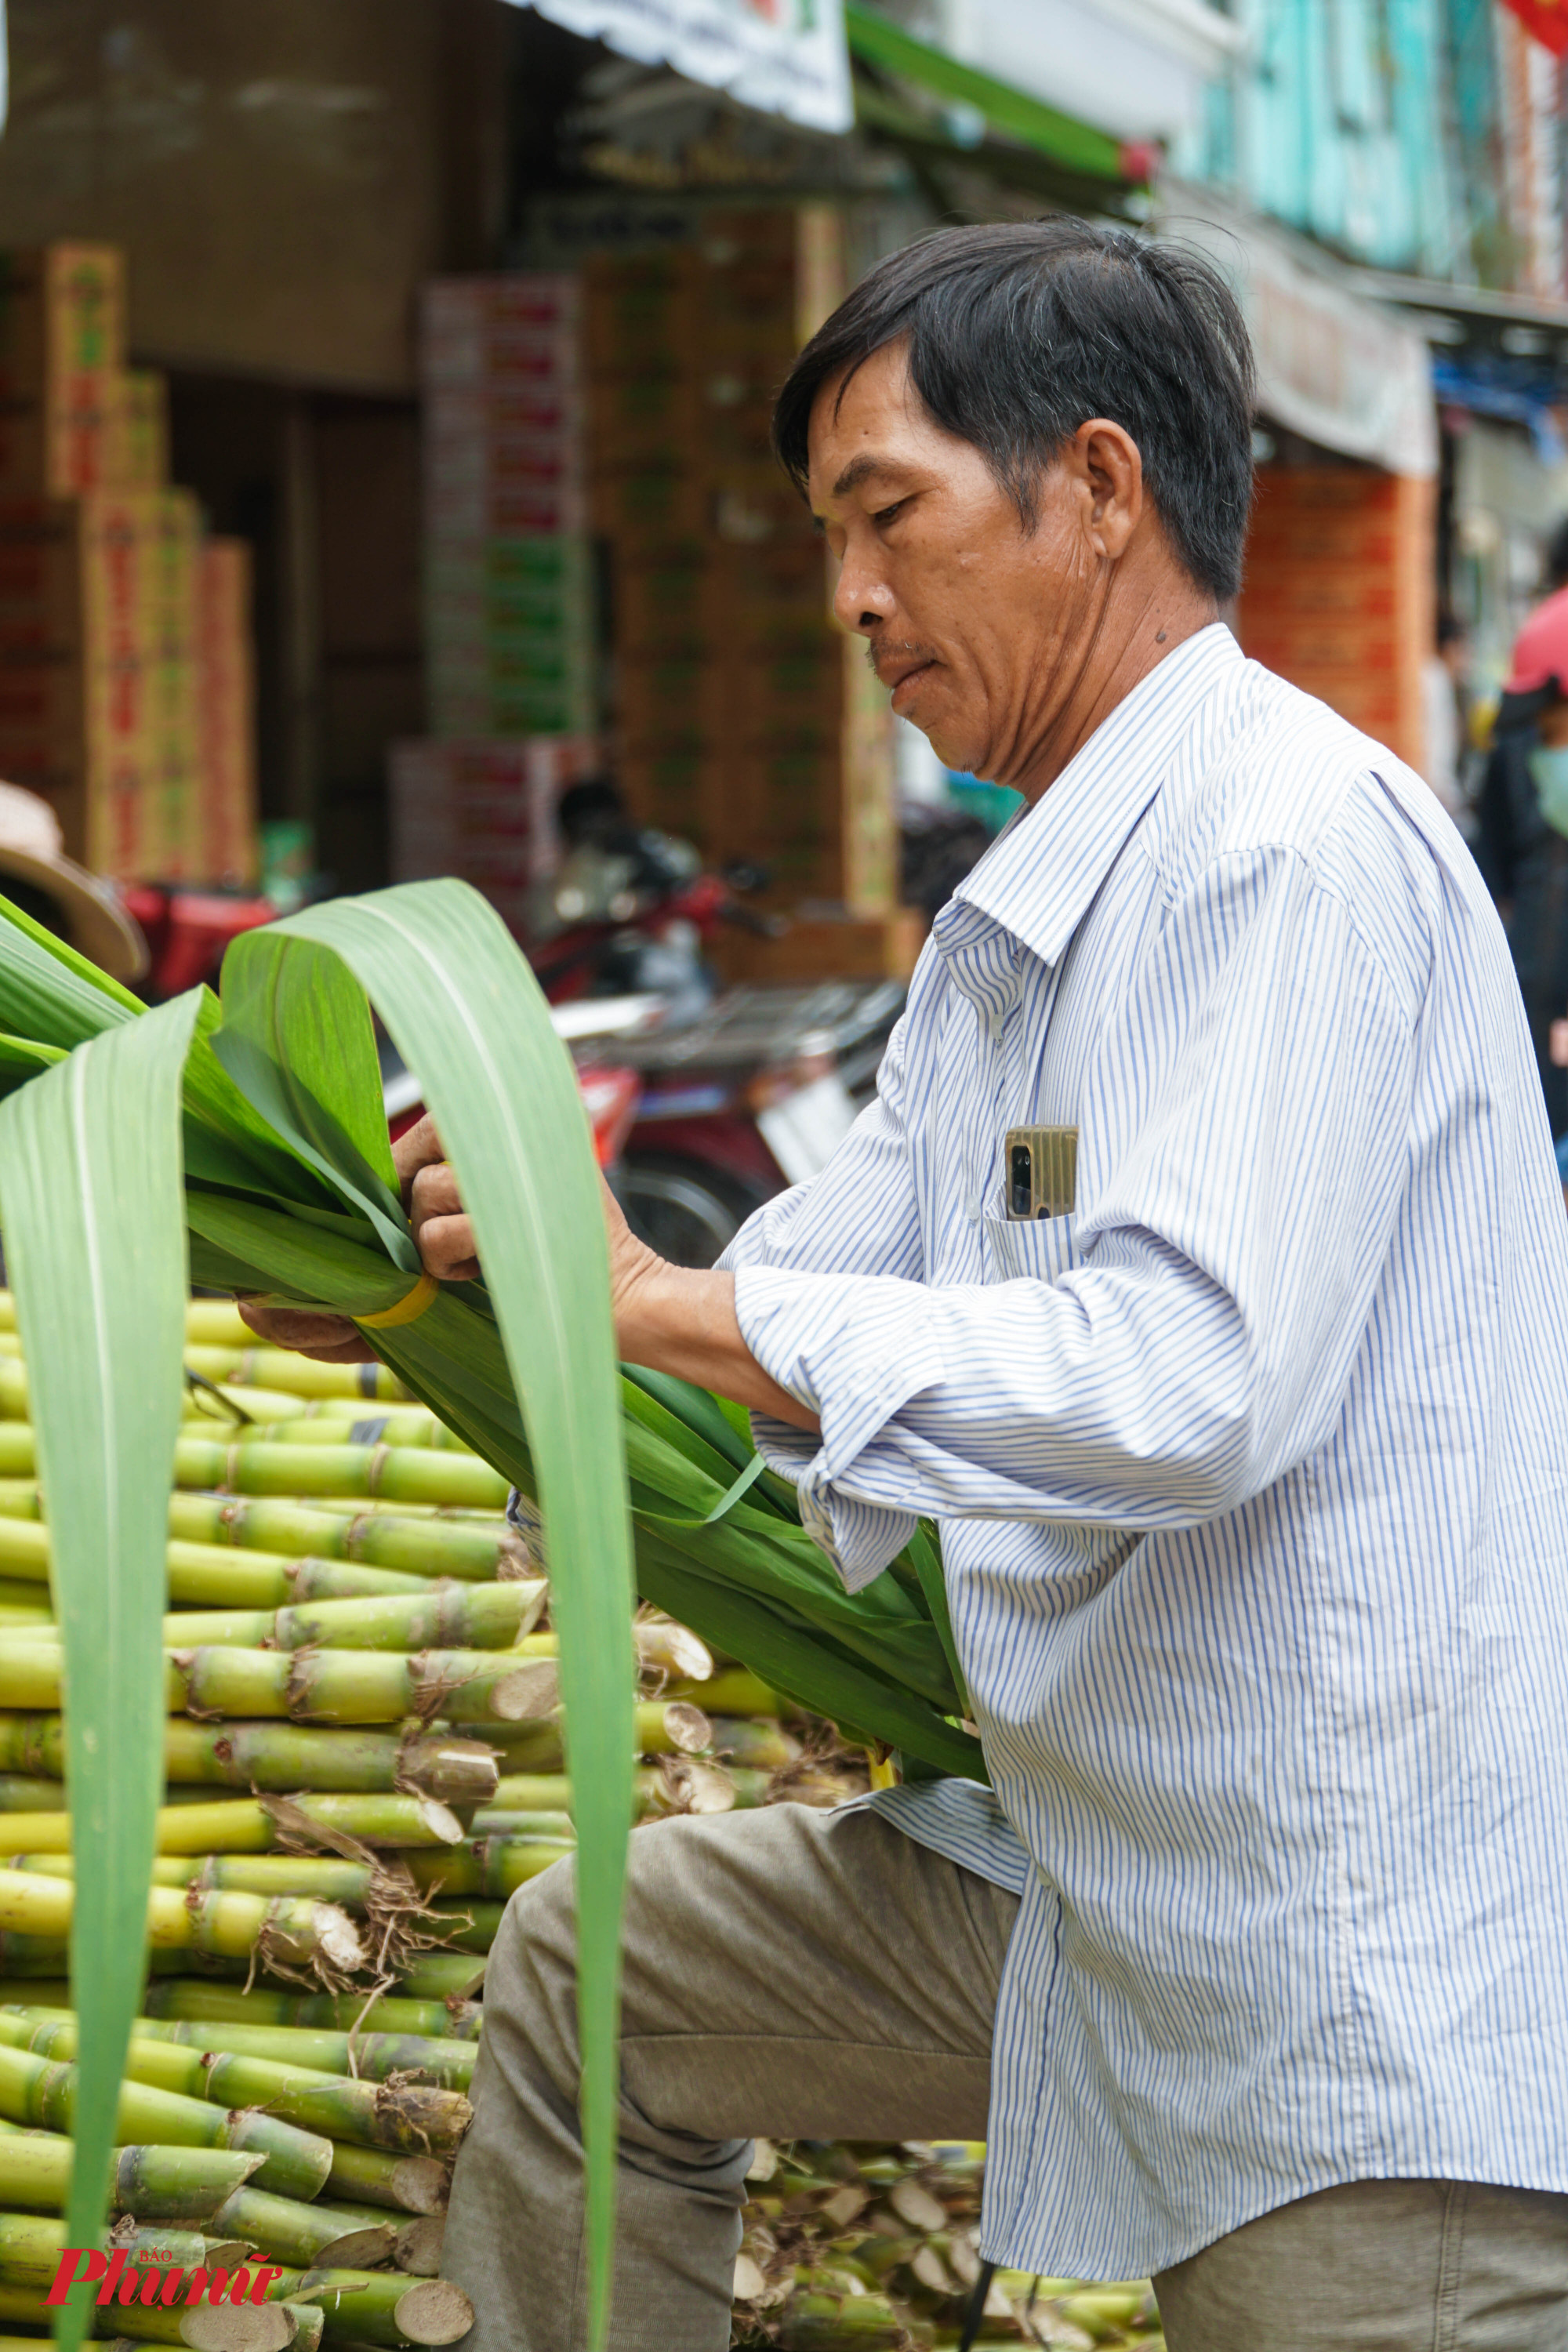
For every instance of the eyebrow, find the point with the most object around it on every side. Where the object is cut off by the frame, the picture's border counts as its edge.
(858, 470)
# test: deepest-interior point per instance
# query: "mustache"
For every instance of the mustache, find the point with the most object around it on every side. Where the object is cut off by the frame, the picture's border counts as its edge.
(881, 649)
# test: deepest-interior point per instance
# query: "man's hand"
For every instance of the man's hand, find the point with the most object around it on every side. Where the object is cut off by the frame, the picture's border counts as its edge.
(442, 1234)
(667, 1316)
(444, 1237)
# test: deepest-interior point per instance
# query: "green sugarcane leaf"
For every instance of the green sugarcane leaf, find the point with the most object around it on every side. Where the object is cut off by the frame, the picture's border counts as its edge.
(21, 1060)
(464, 1010)
(298, 1043)
(89, 1198)
(50, 993)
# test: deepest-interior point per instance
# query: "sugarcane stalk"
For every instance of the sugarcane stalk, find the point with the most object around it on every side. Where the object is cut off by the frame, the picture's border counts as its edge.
(281, 1757)
(26, 2306)
(663, 1728)
(220, 1575)
(320, 1687)
(31, 2245)
(409, 1473)
(441, 1976)
(759, 1746)
(19, 1794)
(468, 1924)
(733, 1690)
(443, 1617)
(493, 1866)
(374, 2176)
(426, 1547)
(411, 2118)
(274, 1368)
(488, 1822)
(376, 2307)
(323, 1877)
(343, 2013)
(373, 2056)
(153, 2184)
(295, 2163)
(287, 2232)
(215, 1576)
(292, 1932)
(272, 1824)
(202, 2327)
(251, 1408)
(281, 1419)
(285, 1757)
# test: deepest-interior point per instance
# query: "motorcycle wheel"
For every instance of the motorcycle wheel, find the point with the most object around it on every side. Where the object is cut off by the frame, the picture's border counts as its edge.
(686, 1211)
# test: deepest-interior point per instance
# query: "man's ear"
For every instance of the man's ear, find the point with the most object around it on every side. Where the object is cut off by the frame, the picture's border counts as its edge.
(1109, 469)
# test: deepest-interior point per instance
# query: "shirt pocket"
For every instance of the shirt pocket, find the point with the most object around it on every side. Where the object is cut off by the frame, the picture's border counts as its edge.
(1033, 1249)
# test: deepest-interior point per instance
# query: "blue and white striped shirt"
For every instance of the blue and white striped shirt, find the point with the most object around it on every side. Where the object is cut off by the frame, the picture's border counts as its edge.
(1252, 1474)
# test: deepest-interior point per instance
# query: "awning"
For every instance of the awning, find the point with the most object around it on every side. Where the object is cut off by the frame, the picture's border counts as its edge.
(791, 63)
(994, 106)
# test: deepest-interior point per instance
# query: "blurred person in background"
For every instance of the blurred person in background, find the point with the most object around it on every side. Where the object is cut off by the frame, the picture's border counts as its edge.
(1445, 698)
(1523, 838)
(61, 896)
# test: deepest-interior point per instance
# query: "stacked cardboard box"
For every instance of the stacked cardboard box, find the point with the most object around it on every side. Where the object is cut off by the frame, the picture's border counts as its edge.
(509, 604)
(1339, 592)
(739, 718)
(62, 342)
(227, 713)
(101, 654)
(484, 811)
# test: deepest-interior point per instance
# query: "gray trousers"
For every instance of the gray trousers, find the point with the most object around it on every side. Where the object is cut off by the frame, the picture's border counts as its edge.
(794, 1974)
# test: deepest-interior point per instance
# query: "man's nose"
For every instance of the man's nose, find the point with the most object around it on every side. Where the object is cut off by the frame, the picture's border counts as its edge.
(861, 600)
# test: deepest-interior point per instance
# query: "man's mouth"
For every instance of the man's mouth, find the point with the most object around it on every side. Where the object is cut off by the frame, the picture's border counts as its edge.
(900, 666)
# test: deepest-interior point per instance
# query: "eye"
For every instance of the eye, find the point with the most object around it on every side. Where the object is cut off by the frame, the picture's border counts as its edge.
(886, 514)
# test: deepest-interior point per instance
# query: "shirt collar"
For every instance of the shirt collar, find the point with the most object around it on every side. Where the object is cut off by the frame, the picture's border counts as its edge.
(1039, 877)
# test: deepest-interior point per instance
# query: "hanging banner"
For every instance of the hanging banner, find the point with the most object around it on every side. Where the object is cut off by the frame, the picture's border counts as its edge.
(783, 57)
(1338, 370)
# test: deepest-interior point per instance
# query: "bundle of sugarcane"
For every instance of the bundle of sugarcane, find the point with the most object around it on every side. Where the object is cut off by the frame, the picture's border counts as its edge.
(268, 1109)
(853, 2249)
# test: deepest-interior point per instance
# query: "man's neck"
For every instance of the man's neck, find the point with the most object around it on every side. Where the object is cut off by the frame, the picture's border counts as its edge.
(1131, 636)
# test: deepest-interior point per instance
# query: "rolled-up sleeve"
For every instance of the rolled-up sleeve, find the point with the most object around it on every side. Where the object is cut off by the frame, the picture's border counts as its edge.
(1204, 1343)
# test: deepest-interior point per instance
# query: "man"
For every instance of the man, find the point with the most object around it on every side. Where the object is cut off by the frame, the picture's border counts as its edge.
(1250, 1469)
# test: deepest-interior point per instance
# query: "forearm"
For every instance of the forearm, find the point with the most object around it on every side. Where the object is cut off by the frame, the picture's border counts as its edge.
(675, 1319)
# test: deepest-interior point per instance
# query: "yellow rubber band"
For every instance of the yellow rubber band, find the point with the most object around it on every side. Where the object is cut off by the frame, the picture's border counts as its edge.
(408, 1308)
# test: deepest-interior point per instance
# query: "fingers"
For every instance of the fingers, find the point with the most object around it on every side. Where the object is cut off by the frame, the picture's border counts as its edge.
(308, 1331)
(442, 1233)
(419, 1147)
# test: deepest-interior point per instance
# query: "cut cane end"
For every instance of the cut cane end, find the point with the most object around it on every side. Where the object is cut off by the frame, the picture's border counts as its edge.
(434, 2312)
(441, 1821)
(686, 1727)
(527, 1693)
(237, 2327)
(420, 2184)
(360, 2249)
(418, 2246)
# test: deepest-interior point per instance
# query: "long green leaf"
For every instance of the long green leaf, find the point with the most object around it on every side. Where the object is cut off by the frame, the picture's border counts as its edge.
(465, 1011)
(297, 1040)
(89, 1198)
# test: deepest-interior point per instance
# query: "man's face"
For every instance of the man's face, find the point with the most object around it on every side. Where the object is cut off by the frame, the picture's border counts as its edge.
(977, 624)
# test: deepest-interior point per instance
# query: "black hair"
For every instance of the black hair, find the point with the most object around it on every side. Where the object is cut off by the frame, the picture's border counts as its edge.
(1450, 630)
(1019, 332)
(1557, 556)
